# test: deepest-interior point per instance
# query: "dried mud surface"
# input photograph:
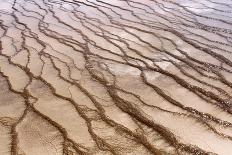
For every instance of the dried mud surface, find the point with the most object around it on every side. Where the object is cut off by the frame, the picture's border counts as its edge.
(121, 77)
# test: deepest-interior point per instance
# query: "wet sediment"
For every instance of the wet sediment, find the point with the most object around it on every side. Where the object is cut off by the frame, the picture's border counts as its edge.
(115, 77)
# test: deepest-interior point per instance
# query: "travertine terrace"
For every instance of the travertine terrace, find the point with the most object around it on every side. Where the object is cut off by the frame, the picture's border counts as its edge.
(121, 77)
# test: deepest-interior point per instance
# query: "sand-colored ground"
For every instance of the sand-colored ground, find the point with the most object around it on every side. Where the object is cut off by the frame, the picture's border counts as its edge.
(121, 77)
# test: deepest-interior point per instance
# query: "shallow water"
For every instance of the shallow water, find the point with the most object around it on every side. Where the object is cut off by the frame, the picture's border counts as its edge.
(126, 77)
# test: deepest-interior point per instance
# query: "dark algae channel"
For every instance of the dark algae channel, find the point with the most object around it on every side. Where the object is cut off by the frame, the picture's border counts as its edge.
(115, 77)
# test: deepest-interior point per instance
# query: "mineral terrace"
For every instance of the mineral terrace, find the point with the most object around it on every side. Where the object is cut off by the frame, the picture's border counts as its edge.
(115, 77)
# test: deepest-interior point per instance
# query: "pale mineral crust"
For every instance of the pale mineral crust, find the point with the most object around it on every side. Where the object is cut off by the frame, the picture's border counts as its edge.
(115, 77)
